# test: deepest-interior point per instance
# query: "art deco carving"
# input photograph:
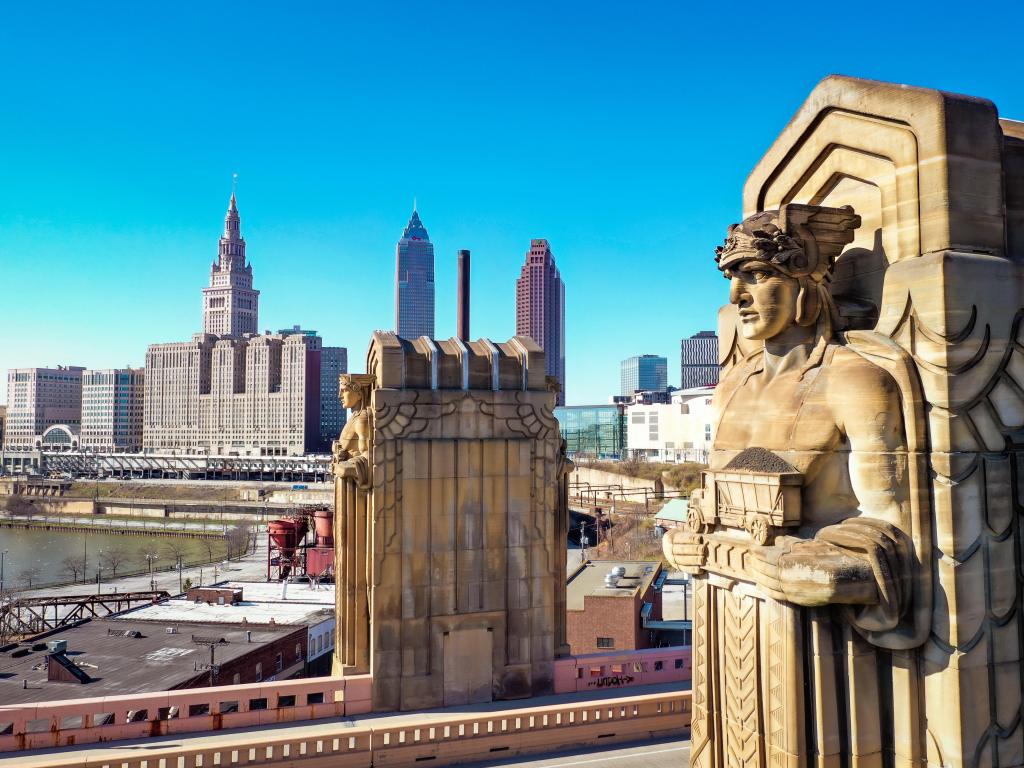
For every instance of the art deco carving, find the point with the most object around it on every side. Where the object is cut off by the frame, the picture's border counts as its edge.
(856, 541)
(451, 567)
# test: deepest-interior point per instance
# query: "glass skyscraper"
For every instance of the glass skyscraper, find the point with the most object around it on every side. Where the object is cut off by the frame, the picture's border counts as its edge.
(644, 373)
(593, 430)
(699, 360)
(414, 281)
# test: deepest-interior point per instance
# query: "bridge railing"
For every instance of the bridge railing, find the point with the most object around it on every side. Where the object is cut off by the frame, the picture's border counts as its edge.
(421, 737)
(110, 718)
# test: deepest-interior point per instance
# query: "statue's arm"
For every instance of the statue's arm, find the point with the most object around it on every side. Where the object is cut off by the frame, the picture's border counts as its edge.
(862, 560)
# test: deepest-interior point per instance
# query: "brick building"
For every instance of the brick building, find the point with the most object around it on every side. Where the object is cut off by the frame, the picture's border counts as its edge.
(608, 603)
(258, 635)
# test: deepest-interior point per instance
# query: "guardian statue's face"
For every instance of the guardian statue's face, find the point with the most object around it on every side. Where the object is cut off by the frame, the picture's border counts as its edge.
(765, 298)
(350, 398)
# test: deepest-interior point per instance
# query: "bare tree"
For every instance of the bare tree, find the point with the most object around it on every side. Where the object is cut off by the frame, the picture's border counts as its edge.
(113, 558)
(208, 543)
(30, 574)
(19, 505)
(176, 549)
(74, 565)
(238, 540)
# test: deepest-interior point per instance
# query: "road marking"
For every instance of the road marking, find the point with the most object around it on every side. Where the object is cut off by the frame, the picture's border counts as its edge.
(615, 757)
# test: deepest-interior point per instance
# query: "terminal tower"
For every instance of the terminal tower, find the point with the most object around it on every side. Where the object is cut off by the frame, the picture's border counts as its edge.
(230, 305)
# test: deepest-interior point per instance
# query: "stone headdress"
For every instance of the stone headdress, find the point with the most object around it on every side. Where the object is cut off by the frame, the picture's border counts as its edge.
(357, 382)
(803, 243)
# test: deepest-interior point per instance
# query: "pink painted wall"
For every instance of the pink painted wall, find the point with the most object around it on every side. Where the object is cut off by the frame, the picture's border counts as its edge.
(622, 669)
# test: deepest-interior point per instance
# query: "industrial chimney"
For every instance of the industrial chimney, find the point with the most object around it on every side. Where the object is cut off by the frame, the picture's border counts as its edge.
(462, 322)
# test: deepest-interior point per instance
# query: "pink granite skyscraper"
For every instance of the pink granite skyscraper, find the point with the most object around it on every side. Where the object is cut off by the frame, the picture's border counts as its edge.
(540, 308)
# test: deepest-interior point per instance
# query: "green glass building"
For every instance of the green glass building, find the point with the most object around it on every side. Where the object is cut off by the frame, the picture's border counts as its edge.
(593, 430)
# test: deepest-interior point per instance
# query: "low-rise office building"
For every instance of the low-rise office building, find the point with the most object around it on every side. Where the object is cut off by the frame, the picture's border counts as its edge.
(610, 603)
(672, 432)
(593, 430)
(39, 398)
(112, 409)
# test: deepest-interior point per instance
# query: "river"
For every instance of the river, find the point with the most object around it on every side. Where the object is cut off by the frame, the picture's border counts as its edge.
(46, 555)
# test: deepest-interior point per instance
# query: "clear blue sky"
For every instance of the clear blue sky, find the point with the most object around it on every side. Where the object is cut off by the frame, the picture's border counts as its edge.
(622, 132)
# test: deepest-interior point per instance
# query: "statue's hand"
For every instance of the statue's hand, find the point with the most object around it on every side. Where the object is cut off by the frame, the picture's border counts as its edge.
(814, 573)
(345, 468)
(685, 550)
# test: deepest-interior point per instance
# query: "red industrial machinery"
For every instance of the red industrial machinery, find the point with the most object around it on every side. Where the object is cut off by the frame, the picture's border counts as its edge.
(292, 553)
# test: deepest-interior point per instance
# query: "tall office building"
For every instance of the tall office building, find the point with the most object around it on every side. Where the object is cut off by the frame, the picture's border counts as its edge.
(699, 360)
(644, 372)
(229, 391)
(254, 396)
(414, 281)
(230, 305)
(112, 406)
(333, 363)
(39, 398)
(540, 308)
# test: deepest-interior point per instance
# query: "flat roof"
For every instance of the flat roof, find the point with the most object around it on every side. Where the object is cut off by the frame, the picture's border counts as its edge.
(249, 612)
(270, 592)
(675, 510)
(156, 661)
(588, 579)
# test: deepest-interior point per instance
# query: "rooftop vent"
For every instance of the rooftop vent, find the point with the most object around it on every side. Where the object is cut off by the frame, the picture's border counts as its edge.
(126, 632)
(171, 630)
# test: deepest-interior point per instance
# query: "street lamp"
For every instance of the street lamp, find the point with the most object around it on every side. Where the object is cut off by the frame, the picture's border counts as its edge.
(3, 555)
(99, 571)
(150, 557)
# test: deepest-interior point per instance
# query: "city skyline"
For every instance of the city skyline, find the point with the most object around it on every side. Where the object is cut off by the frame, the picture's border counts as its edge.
(115, 192)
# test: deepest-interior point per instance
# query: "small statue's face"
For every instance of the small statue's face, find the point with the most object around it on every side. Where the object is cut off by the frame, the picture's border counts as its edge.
(766, 299)
(350, 398)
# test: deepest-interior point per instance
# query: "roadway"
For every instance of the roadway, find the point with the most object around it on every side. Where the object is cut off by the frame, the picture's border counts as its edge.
(650, 753)
(663, 753)
(252, 567)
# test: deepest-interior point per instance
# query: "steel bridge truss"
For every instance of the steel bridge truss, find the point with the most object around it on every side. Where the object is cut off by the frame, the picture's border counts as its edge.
(312, 468)
(24, 616)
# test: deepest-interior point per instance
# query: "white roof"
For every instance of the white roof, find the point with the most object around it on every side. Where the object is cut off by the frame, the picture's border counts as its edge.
(247, 612)
(270, 592)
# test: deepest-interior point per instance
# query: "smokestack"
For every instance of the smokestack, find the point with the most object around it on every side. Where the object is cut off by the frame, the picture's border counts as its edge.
(462, 322)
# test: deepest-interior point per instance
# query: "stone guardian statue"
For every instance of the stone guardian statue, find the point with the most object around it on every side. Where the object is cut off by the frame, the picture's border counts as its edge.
(351, 466)
(806, 539)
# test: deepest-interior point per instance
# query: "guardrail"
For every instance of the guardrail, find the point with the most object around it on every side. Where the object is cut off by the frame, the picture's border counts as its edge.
(433, 739)
(111, 718)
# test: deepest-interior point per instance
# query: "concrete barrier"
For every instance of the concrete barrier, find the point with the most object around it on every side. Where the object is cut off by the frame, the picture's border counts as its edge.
(465, 737)
(86, 721)
(101, 719)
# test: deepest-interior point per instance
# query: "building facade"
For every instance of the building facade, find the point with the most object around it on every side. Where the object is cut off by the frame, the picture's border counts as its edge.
(699, 360)
(644, 373)
(254, 396)
(230, 305)
(608, 609)
(333, 363)
(39, 398)
(673, 432)
(540, 308)
(112, 405)
(593, 430)
(414, 281)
